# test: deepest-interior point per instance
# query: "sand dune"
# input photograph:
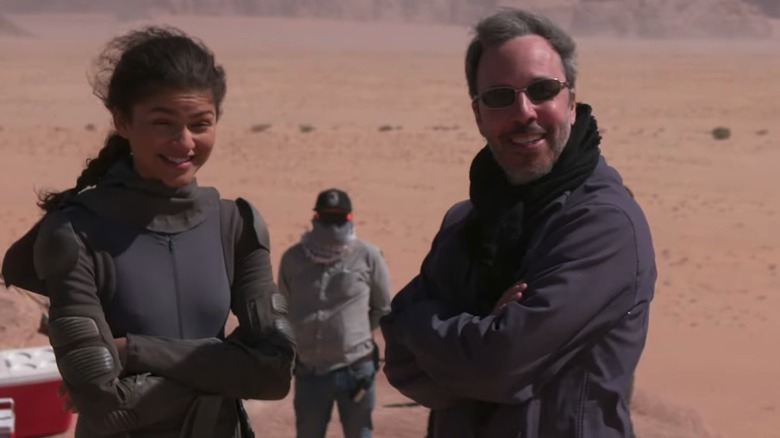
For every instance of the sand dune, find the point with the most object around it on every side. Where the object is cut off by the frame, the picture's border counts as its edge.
(655, 417)
(390, 123)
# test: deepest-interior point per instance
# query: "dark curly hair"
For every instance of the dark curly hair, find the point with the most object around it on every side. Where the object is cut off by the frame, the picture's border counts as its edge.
(133, 67)
(509, 23)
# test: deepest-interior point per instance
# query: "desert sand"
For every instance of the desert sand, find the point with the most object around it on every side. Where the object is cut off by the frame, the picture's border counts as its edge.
(390, 123)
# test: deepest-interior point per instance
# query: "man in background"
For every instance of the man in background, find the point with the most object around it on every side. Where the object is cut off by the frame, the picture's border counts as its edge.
(337, 287)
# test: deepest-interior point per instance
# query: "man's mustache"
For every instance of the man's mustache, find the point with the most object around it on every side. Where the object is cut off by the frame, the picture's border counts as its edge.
(531, 129)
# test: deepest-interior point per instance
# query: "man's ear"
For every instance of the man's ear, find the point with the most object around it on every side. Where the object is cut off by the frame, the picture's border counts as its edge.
(477, 114)
(478, 117)
(121, 124)
(572, 105)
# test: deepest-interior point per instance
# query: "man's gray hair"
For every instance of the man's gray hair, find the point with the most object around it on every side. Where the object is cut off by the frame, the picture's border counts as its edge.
(506, 24)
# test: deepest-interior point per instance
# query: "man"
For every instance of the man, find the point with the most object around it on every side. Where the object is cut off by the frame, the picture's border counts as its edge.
(530, 312)
(338, 288)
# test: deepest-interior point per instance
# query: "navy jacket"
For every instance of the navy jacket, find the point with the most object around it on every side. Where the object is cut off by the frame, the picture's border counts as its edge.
(556, 364)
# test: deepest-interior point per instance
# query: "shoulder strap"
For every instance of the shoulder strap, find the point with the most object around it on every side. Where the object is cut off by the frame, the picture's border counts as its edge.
(234, 217)
(228, 218)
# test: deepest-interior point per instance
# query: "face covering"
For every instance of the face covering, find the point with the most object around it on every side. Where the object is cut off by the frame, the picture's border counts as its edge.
(327, 243)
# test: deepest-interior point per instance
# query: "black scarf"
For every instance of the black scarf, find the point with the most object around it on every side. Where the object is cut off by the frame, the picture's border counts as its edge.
(506, 215)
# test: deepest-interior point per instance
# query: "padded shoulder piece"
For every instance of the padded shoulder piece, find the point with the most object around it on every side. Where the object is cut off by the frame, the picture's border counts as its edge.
(251, 215)
(56, 249)
(18, 267)
(233, 216)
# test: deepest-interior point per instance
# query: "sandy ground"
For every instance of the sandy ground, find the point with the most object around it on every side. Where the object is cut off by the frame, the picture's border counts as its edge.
(709, 369)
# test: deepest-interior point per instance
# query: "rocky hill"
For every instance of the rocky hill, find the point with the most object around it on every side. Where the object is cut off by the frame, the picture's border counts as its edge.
(639, 18)
(8, 28)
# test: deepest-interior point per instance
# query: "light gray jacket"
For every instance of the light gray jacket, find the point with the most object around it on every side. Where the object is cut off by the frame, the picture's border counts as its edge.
(335, 307)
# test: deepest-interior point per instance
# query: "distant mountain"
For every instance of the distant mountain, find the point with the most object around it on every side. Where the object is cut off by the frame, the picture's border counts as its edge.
(8, 28)
(628, 18)
(767, 7)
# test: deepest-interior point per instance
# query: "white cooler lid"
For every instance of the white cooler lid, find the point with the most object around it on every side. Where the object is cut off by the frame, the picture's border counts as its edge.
(27, 365)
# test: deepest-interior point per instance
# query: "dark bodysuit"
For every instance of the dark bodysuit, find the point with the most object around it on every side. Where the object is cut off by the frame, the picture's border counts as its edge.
(164, 268)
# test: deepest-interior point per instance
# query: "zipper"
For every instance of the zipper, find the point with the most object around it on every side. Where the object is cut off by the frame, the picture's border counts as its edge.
(581, 405)
(176, 285)
(325, 275)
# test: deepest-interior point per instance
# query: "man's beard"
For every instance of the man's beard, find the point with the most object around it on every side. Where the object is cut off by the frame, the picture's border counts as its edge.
(538, 168)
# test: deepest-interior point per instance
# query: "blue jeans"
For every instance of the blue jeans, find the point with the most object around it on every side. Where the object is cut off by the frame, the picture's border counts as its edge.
(315, 394)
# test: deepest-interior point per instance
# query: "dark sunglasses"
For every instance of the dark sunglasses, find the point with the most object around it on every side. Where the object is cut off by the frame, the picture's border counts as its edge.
(327, 217)
(537, 92)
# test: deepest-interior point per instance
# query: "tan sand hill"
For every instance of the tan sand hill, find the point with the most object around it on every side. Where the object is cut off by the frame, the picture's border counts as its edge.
(655, 417)
(670, 19)
(767, 7)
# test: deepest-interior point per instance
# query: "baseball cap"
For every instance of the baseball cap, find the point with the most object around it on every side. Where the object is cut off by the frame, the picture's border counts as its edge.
(333, 200)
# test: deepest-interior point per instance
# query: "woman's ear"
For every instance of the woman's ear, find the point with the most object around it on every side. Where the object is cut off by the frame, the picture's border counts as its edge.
(121, 124)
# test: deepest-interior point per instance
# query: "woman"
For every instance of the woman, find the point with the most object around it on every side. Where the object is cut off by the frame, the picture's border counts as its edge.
(142, 266)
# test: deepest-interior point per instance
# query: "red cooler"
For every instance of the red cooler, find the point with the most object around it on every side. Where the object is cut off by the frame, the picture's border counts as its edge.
(30, 377)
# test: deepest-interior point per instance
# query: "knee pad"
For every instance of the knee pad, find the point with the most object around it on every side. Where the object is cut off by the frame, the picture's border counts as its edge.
(82, 364)
(71, 329)
(87, 364)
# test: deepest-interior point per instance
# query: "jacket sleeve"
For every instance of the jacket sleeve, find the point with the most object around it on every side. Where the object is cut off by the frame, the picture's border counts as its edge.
(379, 300)
(108, 401)
(284, 287)
(401, 367)
(255, 361)
(148, 400)
(583, 283)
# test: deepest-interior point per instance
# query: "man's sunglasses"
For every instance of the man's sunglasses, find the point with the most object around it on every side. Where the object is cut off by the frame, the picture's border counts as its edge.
(537, 92)
(332, 217)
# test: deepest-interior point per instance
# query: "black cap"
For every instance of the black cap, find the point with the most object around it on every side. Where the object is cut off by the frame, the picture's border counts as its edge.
(333, 199)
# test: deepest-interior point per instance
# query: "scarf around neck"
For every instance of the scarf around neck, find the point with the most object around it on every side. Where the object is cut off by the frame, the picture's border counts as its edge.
(505, 216)
(325, 244)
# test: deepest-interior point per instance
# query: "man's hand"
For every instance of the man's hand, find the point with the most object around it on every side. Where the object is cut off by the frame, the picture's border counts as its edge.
(514, 293)
(121, 349)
